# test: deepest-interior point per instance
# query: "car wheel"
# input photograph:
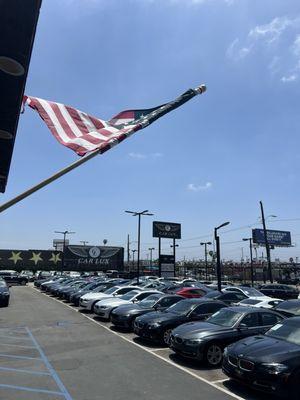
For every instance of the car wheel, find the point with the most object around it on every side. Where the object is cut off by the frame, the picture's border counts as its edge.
(166, 336)
(214, 354)
(23, 283)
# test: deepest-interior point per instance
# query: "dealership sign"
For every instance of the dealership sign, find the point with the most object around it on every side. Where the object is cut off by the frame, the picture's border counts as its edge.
(167, 230)
(92, 258)
(167, 265)
(275, 238)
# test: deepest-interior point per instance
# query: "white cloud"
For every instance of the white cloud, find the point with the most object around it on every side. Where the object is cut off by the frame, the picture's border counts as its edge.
(290, 78)
(197, 188)
(272, 31)
(236, 52)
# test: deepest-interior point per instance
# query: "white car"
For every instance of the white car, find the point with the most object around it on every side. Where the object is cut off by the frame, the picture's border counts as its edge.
(250, 292)
(88, 300)
(262, 302)
(104, 307)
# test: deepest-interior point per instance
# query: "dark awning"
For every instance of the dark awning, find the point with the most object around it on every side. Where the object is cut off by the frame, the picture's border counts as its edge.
(18, 20)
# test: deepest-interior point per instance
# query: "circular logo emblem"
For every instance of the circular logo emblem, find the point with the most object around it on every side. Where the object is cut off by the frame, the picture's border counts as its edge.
(94, 252)
(167, 228)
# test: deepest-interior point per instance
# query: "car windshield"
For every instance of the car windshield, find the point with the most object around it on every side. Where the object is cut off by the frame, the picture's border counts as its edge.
(149, 301)
(290, 306)
(129, 295)
(252, 292)
(288, 331)
(224, 317)
(110, 290)
(181, 308)
(250, 301)
(212, 294)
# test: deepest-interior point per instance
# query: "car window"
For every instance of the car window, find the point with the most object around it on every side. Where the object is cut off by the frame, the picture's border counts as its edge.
(142, 296)
(168, 301)
(250, 320)
(269, 319)
(196, 291)
(234, 290)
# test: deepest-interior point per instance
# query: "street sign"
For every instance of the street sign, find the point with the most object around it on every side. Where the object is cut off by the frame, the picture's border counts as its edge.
(275, 238)
(167, 230)
(167, 265)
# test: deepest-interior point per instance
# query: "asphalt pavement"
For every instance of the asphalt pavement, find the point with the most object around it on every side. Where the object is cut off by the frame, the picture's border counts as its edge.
(49, 350)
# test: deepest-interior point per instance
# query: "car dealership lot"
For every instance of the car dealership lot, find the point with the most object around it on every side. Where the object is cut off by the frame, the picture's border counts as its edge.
(49, 350)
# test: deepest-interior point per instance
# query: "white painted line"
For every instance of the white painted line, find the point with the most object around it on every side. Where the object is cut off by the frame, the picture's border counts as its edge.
(221, 380)
(153, 350)
(213, 384)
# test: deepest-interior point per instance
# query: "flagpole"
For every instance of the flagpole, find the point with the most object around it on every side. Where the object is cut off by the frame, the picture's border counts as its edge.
(143, 123)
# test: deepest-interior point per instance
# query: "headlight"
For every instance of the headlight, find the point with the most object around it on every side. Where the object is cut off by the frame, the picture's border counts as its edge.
(103, 307)
(274, 368)
(192, 342)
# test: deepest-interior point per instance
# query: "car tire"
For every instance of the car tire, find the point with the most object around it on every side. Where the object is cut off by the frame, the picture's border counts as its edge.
(5, 303)
(166, 336)
(213, 354)
(93, 307)
(23, 282)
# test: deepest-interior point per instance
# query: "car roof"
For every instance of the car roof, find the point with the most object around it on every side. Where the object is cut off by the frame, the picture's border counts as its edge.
(249, 309)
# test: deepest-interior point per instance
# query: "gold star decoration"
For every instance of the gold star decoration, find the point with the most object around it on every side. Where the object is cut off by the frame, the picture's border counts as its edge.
(36, 257)
(55, 258)
(15, 257)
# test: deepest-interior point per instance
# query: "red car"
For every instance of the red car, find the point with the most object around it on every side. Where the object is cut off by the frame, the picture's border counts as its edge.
(191, 292)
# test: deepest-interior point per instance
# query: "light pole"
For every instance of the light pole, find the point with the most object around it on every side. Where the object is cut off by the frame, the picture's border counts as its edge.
(84, 242)
(133, 251)
(151, 249)
(266, 240)
(65, 233)
(217, 239)
(173, 246)
(205, 244)
(251, 258)
(138, 214)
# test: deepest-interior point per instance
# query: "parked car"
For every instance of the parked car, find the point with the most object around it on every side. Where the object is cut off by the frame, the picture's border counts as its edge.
(12, 277)
(205, 341)
(265, 303)
(192, 292)
(228, 298)
(283, 292)
(289, 308)
(90, 287)
(4, 294)
(103, 308)
(125, 315)
(249, 292)
(157, 326)
(88, 301)
(270, 363)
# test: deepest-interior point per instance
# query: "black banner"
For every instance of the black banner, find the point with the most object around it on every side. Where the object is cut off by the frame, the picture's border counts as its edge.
(94, 258)
(32, 260)
(168, 230)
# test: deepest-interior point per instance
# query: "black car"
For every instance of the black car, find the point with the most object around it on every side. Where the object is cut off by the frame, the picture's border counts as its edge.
(205, 341)
(283, 292)
(4, 294)
(270, 362)
(289, 308)
(228, 298)
(13, 278)
(125, 315)
(157, 326)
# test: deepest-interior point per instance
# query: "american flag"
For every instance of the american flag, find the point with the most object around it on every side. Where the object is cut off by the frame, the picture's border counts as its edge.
(84, 133)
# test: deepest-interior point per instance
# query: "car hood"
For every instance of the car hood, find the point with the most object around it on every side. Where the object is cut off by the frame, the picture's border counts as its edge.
(198, 330)
(126, 309)
(264, 348)
(161, 317)
(115, 301)
(95, 296)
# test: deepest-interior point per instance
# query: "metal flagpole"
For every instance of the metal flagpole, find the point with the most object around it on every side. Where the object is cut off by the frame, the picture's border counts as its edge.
(151, 117)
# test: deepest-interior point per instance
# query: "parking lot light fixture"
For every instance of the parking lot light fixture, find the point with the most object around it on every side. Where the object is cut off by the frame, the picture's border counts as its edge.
(217, 239)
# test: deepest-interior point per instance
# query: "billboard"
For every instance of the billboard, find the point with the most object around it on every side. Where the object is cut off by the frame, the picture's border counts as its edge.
(275, 238)
(167, 265)
(32, 260)
(168, 230)
(93, 258)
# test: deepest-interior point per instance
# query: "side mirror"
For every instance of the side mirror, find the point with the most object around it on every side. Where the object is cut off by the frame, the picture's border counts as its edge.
(243, 327)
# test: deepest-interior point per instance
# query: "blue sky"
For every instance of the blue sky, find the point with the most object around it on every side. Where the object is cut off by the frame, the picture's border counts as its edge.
(210, 161)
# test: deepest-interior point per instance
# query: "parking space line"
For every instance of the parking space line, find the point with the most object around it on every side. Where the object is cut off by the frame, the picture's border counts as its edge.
(221, 380)
(214, 385)
(14, 337)
(26, 371)
(21, 357)
(52, 371)
(17, 345)
(28, 389)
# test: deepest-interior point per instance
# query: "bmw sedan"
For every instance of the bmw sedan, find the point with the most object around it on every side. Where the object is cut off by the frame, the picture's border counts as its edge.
(270, 362)
(157, 326)
(124, 316)
(103, 308)
(92, 286)
(205, 341)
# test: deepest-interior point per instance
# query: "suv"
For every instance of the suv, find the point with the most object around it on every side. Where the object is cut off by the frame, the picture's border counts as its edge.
(12, 277)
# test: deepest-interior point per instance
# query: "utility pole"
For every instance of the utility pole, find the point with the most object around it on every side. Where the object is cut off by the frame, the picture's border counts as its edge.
(217, 239)
(251, 259)
(205, 251)
(128, 251)
(266, 242)
(64, 233)
(151, 249)
(174, 253)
